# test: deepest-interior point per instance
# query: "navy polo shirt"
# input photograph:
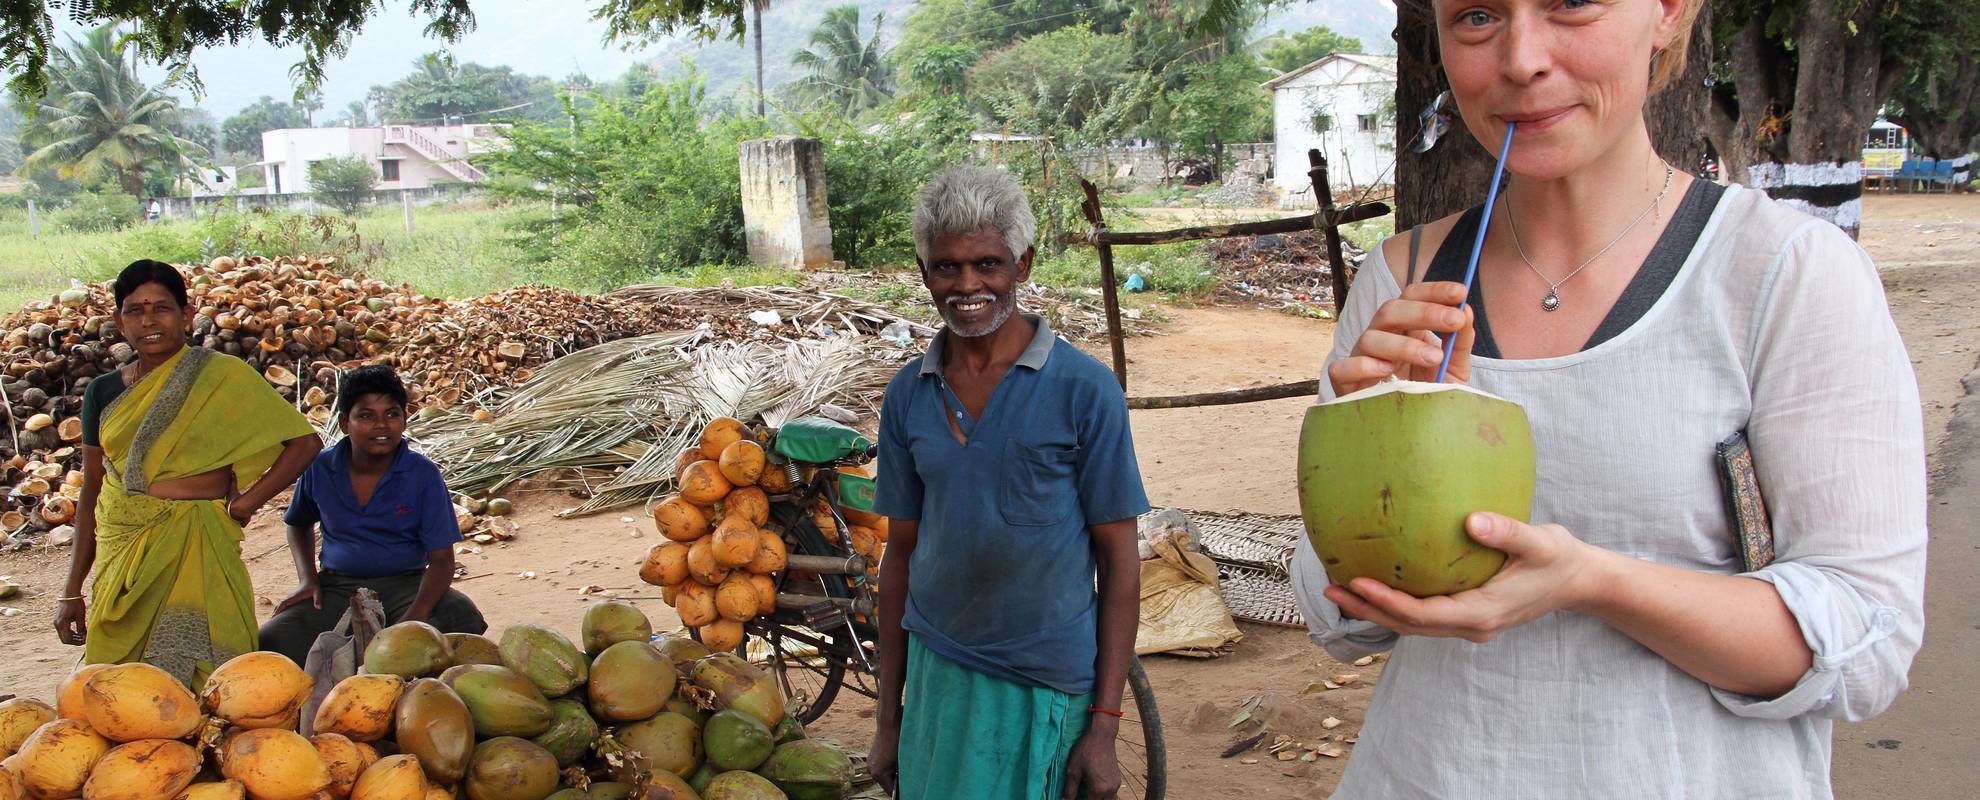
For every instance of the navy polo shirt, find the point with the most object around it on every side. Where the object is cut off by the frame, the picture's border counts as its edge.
(1002, 576)
(410, 513)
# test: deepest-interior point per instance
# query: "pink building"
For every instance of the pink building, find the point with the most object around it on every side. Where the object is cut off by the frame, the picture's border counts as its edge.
(405, 156)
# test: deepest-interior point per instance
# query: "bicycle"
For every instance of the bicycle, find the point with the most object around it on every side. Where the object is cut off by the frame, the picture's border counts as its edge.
(824, 636)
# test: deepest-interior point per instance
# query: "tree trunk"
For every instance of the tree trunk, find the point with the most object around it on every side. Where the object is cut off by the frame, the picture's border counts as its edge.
(756, 32)
(1453, 176)
(1944, 116)
(1680, 117)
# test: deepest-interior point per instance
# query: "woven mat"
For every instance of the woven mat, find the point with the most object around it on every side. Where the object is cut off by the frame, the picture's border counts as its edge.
(1254, 562)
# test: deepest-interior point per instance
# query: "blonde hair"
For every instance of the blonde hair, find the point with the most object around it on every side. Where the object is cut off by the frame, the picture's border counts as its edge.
(1667, 62)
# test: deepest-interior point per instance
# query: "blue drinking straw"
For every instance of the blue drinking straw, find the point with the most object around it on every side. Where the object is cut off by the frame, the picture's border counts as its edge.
(1478, 245)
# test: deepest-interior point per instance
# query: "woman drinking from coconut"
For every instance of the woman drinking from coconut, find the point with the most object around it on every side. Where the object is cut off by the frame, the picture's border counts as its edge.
(169, 442)
(1641, 318)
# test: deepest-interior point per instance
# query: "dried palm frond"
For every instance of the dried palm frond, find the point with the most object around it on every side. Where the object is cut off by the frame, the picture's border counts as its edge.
(616, 415)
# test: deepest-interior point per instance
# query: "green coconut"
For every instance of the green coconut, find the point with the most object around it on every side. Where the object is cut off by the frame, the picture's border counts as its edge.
(742, 786)
(507, 768)
(569, 794)
(433, 724)
(572, 730)
(1388, 474)
(630, 681)
(738, 685)
(809, 770)
(501, 702)
(667, 743)
(409, 650)
(681, 649)
(611, 622)
(545, 657)
(666, 786)
(472, 648)
(610, 790)
(734, 740)
(789, 730)
(685, 706)
(704, 776)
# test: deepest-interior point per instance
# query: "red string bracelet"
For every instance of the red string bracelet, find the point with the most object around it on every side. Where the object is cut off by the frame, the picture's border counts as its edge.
(1108, 711)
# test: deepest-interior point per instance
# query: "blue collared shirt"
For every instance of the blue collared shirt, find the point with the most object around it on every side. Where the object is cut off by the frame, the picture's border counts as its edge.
(1002, 575)
(409, 514)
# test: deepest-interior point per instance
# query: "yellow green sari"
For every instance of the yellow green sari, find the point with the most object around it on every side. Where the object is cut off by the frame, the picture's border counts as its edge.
(171, 589)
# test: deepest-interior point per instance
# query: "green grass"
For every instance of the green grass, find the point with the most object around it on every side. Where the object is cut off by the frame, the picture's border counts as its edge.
(455, 250)
(1368, 233)
(1180, 271)
(718, 275)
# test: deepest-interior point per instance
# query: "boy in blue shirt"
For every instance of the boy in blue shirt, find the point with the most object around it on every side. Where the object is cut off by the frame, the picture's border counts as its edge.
(388, 526)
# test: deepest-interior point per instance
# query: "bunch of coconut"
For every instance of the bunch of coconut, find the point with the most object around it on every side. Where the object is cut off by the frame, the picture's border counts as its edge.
(532, 715)
(720, 566)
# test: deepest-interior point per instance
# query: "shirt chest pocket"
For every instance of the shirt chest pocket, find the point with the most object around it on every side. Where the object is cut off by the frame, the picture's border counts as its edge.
(1037, 486)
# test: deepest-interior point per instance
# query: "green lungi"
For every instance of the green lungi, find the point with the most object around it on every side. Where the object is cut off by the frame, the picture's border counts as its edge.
(966, 734)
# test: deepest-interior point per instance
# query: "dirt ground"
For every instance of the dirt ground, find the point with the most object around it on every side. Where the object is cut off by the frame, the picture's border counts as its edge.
(1199, 458)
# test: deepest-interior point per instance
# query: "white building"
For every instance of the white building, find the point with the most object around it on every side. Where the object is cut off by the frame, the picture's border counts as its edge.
(1344, 105)
(406, 156)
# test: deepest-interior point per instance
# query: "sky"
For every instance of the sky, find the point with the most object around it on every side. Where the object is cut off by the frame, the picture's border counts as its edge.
(553, 38)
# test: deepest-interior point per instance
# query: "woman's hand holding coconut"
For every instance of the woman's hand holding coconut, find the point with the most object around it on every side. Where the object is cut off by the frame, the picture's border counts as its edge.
(1402, 340)
(1546, 570)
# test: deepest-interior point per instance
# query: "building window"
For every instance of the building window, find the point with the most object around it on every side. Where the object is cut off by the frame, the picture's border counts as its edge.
(1367, 122)
(389, 169)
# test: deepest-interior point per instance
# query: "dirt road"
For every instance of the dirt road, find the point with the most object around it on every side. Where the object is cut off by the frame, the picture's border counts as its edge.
(1233, 458)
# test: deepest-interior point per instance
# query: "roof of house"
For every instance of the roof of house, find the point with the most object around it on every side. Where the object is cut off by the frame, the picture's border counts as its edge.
(1384, 64)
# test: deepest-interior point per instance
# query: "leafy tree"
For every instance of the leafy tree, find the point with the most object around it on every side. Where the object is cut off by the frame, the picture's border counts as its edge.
(844, 72)
(1938, 99)
(441, 90)
(309, 100)
(101, 124)
(638, 186)
(1060, 79)
(342, 183)
(1218, 103)
(241, 133)
(1288, 53)
(939, 69)
(355, 115)
(10, 137)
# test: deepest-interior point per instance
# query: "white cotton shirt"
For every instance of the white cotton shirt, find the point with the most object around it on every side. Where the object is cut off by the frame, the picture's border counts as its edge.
(1775, 324)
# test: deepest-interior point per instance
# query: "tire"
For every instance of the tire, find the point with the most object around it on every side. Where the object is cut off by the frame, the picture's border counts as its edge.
(1144, 759)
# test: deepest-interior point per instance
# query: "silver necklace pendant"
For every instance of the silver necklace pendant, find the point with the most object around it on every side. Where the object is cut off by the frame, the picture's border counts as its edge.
(1551, 302)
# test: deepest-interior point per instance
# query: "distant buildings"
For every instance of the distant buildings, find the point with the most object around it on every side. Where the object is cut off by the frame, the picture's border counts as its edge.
(1343, 105)
(405, 156)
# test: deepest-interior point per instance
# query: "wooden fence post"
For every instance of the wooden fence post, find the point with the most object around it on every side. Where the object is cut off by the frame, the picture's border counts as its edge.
(1324, 192)
(1108, 293)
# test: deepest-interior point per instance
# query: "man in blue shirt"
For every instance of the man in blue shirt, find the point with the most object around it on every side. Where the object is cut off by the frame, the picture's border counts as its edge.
(388, 525)
(1008, 475)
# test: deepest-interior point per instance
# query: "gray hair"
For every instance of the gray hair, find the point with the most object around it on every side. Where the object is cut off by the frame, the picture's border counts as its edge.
(966, 200)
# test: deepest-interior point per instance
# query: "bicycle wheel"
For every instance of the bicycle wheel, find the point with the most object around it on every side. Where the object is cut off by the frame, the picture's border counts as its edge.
(1138, 747)
(808, 668)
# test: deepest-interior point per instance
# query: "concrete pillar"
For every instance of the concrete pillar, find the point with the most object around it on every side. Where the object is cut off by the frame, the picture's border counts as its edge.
(785, 220)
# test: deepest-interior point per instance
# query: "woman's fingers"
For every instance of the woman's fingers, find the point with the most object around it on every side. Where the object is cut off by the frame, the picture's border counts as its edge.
(1399, 349)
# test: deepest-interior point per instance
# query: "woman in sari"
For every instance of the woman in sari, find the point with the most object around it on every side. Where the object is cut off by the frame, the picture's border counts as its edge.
(169, 440)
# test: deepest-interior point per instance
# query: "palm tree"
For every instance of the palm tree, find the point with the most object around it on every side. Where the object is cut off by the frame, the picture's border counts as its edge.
(100, 122)
(847, 74)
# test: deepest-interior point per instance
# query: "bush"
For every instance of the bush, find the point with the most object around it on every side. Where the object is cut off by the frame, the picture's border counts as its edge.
(642, 185)
(342, 183)
(96, 213)
(871, 179)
